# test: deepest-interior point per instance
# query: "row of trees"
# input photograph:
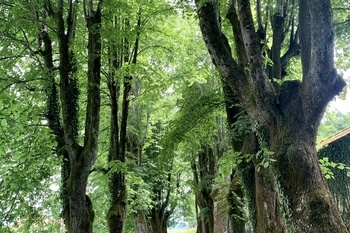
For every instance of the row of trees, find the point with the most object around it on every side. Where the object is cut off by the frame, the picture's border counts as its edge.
(122, 98)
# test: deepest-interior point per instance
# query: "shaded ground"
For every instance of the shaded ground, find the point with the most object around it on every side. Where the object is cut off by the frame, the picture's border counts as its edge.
(191, 230)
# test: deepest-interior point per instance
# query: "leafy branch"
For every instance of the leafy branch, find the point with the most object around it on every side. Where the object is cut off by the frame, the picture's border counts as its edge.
(327, 166)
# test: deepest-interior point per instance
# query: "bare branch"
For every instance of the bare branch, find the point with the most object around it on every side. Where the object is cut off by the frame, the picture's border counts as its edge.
(232, 16)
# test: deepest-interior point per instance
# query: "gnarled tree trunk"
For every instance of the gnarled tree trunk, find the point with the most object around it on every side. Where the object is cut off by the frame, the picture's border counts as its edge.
(287, 115)
(260, 183)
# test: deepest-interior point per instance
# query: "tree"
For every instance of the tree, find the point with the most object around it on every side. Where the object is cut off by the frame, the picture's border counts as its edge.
(48, 35)
(78, 160)
(55, 40)
(286, 114)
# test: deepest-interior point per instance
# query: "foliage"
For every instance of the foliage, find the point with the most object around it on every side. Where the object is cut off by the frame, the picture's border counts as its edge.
(174, 85)
(332, 122)
(341, 11)
(327, 167)
(27, 148)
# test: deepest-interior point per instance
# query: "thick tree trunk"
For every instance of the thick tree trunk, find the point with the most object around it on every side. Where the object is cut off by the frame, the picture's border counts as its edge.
(81, 214)
(288, 116)
(268, 217)
(265, 209)
(220, 217)
(311, 203)
(236, 214)
(268, 214)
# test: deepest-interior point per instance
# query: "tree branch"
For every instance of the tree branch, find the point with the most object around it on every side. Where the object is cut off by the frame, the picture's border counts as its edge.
(320, 80)
(253, 88)
(236, 29)
(94, 77)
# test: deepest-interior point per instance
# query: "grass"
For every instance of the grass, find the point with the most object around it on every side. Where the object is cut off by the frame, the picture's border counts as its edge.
(191, 230)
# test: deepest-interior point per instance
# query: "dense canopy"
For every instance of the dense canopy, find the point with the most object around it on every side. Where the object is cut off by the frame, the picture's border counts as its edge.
(141, 116)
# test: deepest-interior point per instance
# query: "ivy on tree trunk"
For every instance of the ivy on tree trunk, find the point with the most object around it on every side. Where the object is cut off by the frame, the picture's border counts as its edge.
(77, 206)
(287, 114)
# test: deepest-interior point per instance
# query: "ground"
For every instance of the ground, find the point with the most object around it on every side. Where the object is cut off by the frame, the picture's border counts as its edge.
(191, 230)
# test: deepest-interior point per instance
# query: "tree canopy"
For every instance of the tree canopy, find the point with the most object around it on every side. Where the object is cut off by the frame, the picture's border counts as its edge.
(114, 117)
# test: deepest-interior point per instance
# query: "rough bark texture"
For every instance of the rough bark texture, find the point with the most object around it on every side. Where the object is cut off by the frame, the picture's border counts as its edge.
(260, 183)
(268, 214)
(287, 118)
(236, 206)
(235, 197)
(220, 218)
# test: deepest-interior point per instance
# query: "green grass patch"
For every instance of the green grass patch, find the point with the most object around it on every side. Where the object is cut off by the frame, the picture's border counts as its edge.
(191, 230)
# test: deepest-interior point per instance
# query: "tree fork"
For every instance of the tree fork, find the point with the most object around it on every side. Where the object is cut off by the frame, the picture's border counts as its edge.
(291, 126)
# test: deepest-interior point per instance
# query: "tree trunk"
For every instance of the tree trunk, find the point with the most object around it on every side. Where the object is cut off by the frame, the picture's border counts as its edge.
(236, 214)
(220, 217)
(268, 215)
(126, 53)
(81, 214)
(312, 205)
(77, 206)
(162, 210)
(117, 212)
(203, 177)
(158, 222)
(142, 225)
(265, 209)
(286, 116)
(235, 196)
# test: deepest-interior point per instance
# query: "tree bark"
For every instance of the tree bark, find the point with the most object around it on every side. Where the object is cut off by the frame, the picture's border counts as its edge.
(312, 206)
(220, 216)
(236, 214)
(288, 119)
(260, 183)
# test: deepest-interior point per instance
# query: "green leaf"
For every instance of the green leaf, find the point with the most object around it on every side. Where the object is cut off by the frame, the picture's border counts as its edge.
(3, 122)
(266, 164)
